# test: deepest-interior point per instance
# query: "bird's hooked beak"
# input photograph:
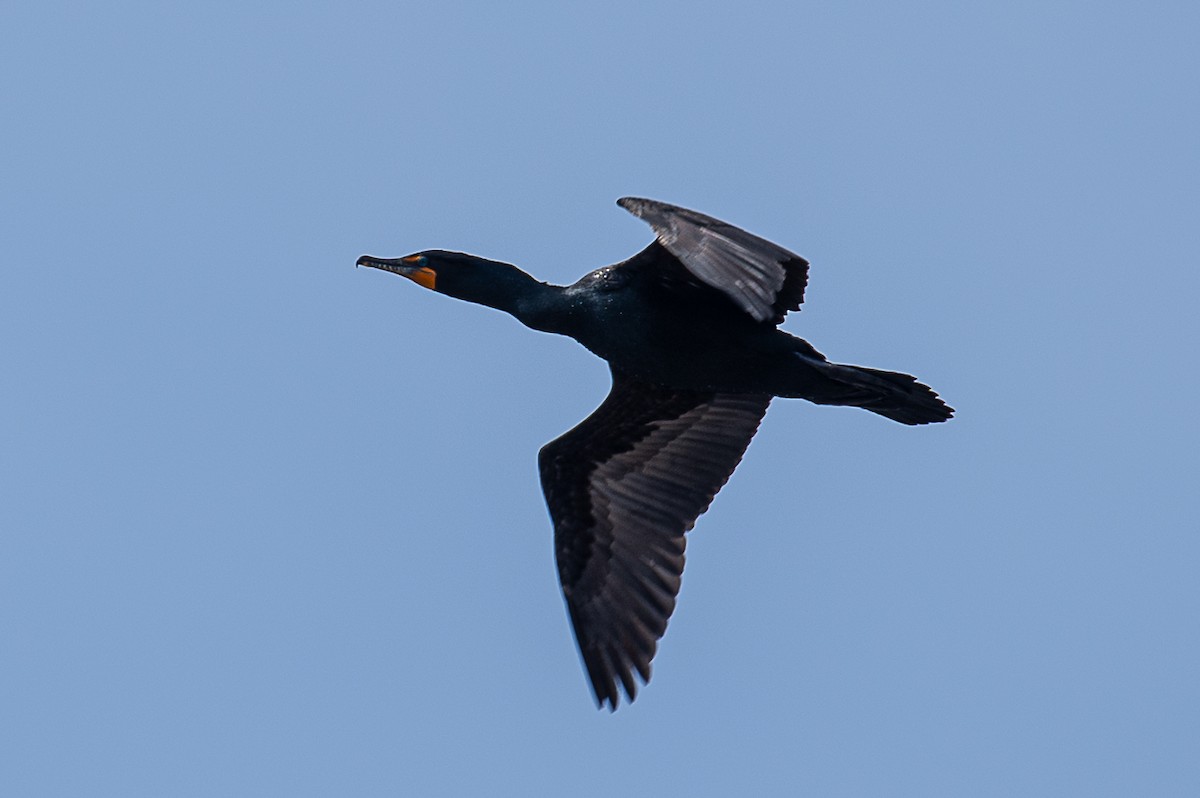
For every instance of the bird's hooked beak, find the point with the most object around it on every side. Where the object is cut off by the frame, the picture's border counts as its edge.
(414, 267)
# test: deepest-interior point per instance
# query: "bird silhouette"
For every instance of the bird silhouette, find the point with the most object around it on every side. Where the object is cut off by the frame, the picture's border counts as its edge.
(689, 327)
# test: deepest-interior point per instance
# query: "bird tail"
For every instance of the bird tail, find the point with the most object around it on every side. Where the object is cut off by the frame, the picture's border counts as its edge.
(889, 393)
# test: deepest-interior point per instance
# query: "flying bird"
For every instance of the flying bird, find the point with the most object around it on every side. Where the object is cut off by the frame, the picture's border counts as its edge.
(689, 327)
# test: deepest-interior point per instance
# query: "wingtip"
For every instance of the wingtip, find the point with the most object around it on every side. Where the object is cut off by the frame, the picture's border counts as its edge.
(606, 699)
(635, 205)
(613, 700)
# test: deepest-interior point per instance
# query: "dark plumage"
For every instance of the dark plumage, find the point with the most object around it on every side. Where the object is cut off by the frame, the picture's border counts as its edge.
(689, 329)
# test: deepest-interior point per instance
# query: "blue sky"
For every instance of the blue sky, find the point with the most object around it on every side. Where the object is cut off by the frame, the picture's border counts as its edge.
(272, 525)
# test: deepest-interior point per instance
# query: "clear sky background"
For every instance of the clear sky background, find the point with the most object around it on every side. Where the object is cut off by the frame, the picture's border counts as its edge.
(271, 525)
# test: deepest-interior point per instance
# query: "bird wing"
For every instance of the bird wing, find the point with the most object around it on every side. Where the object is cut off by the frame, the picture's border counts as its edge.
(623, 487)
(763, 279)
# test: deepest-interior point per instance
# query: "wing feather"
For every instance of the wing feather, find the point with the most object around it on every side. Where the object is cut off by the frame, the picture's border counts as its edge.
(762, 278)
(623, 487)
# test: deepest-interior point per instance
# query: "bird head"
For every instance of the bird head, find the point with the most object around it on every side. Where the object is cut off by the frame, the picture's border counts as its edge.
(456, 274)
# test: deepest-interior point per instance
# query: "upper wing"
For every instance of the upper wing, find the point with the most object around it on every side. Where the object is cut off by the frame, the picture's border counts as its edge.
(623, 487)
(763, 279)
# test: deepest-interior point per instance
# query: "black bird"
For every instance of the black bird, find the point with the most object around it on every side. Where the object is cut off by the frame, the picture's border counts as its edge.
(689, 329)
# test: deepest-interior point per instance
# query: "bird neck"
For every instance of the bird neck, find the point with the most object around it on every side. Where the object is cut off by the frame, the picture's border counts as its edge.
(531, 302)
(540, 307)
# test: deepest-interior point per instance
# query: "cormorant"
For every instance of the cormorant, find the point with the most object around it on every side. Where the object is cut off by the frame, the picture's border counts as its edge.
(689, 329)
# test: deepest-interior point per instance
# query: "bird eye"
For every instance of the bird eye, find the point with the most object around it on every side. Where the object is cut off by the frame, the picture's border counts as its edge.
(416, 260)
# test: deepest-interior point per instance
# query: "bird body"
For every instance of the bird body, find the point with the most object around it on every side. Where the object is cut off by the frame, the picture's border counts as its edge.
(683, 338)
(689, 327)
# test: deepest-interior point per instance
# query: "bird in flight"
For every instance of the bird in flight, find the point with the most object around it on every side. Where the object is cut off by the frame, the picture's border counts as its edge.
(689, 327)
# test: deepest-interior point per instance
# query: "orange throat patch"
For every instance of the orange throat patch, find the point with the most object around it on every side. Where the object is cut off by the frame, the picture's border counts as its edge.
(425, 277)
